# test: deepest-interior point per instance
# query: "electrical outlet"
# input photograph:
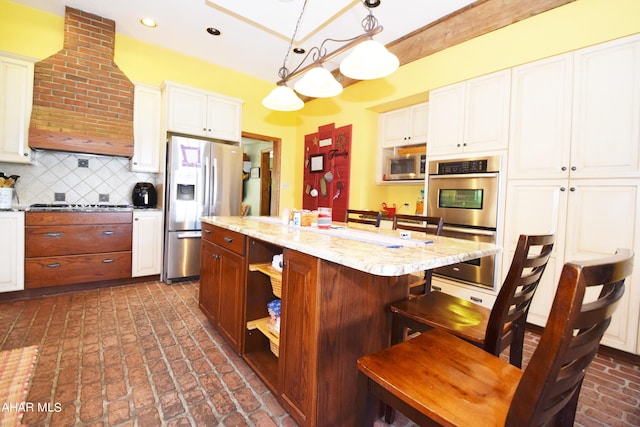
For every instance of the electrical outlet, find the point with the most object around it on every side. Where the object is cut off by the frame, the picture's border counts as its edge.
(83, 163)
(59, 197)
(103, 198)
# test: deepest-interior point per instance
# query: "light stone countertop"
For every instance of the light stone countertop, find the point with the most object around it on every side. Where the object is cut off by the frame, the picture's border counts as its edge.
(364, 251)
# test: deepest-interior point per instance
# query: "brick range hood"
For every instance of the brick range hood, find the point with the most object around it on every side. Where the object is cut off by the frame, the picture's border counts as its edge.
(82, 101)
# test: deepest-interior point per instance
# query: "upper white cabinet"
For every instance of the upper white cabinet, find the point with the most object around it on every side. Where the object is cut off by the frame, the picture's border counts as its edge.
(540, 131)
(146, 249)
(196, 112)
(470, 116)
(12, 251)
(16, 99)
(405, 126)
(606, 113)
(147, 124)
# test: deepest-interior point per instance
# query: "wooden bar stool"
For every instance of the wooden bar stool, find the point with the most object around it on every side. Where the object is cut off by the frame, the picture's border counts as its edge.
(420, 283)
(495, 329)
(363, 216)
(439, 379)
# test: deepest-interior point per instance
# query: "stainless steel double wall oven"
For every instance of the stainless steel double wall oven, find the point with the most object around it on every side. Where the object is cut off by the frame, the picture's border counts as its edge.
(465, 192)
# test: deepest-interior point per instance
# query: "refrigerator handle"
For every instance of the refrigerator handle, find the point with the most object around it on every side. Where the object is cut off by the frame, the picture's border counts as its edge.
(214, 193)
(207, 189)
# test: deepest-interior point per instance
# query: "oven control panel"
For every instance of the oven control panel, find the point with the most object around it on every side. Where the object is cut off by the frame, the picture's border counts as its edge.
(464, 166)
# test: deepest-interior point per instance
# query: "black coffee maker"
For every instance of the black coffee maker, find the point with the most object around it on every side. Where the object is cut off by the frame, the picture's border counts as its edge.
(144, 195)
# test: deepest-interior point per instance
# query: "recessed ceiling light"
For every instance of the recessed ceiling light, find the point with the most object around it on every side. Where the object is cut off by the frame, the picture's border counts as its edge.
(213, 31)
(148, 22)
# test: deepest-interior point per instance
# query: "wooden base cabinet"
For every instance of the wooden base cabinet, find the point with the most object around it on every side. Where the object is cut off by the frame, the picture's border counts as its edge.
(66, 248)
(222, 282)
(331, 315)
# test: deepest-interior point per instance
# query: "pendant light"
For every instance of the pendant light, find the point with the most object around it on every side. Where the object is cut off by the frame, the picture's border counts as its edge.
(368, 60)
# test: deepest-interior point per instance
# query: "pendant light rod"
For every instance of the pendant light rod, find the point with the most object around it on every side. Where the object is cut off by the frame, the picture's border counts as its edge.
(323, 58)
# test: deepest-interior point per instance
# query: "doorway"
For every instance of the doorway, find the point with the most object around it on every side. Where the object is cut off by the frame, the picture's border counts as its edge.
(261, 183)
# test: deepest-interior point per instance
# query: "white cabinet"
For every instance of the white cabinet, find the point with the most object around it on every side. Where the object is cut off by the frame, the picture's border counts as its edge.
(146, 250)
(591, 219)
(401, 131)
(573, 167)
(578, 115)
(406, 126)
(540, 131)
(606, 112)
(16, 99)
(471, 116)
(195, 112)
(147, 138)
(12, 251)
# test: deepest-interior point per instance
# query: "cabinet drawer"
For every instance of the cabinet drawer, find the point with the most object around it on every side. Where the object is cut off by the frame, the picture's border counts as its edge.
(77, 239)
(77, 218)
(72, 269)
(222, 237)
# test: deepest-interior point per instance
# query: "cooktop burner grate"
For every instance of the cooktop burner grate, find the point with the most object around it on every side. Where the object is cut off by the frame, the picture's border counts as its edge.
(76, 207)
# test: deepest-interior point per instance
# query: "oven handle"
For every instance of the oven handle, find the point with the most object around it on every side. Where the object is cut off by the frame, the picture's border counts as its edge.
(465, 175)
(475, 231)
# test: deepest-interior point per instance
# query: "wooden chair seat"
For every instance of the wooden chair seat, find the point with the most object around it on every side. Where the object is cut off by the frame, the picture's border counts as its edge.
(440, 379)
(439, 310)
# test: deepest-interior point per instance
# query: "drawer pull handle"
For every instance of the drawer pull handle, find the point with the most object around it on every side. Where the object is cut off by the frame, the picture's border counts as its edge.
(476, 299)
(108, 233)
(207, 231)
(108, 260)
(228, 239)
(54, 265)
(54, 234)
(436, 288)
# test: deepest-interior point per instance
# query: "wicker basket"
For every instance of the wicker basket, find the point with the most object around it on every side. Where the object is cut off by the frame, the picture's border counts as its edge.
(276, 285)
(275, 348)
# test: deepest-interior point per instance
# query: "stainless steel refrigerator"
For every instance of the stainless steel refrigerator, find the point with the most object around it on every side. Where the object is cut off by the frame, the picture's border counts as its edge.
(204, 178)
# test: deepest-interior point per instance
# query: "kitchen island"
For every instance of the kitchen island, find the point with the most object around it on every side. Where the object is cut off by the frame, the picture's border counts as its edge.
(335, 289)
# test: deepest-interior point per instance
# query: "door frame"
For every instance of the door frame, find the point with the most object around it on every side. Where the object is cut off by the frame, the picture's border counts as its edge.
(276, 168)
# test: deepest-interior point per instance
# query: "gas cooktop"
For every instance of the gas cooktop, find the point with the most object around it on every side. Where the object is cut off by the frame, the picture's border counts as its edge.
(74, 207)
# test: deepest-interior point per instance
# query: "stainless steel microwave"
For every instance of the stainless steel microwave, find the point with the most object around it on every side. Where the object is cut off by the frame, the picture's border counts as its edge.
(405, 167)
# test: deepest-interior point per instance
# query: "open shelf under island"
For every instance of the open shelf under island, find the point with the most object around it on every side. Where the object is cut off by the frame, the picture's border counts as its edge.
(335, 289)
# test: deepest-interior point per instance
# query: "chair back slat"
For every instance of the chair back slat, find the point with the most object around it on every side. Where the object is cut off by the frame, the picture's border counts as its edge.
(511, 308)
(364, 216)
(549, 388)
(419, 223)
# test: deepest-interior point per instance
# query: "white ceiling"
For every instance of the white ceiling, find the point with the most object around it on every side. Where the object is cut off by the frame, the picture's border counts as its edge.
(255, 33)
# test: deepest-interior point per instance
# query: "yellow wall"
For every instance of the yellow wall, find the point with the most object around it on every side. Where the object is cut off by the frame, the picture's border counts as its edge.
(578, 24)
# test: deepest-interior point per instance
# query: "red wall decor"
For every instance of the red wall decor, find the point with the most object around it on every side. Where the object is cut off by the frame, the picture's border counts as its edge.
(327, 164)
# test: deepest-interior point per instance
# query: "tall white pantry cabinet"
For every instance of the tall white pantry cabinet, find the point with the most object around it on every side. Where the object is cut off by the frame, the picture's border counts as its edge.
(574, 167)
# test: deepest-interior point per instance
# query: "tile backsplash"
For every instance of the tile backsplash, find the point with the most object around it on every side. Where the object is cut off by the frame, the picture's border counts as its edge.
(58, 172)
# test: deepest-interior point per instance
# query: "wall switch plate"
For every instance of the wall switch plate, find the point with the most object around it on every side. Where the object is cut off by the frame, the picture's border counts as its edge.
(59, 197)
(83, 163)
(103, 198)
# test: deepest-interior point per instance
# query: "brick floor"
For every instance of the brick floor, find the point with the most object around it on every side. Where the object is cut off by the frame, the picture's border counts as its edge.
(145, 355)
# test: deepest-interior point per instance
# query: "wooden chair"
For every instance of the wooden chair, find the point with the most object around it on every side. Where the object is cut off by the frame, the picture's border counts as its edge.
(496, 329)
(360, 216)
(420, 282)
(437, 378)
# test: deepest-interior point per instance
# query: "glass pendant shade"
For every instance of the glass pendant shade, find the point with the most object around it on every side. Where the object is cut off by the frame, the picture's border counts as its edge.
(318, 82)
(283, 98)
(369, 60)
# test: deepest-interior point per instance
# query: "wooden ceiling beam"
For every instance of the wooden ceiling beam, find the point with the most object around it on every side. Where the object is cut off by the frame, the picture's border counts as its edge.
(476, 19)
